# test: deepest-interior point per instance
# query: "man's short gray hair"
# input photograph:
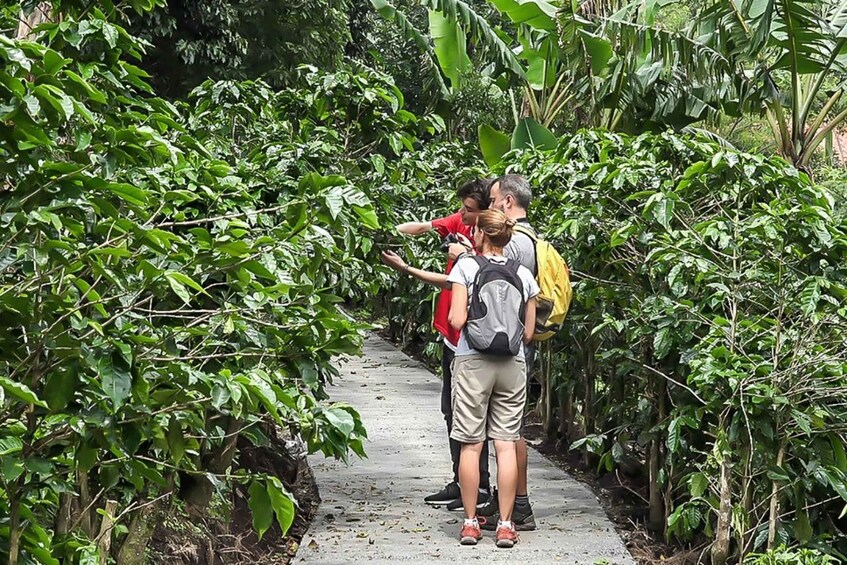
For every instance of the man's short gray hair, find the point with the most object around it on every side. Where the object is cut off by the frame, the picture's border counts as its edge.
(518, 187)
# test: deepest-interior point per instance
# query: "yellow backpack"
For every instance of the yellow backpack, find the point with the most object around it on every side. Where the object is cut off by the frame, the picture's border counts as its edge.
(555, 282)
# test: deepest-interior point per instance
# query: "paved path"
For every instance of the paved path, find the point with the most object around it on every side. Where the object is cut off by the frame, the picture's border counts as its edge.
(373, 512)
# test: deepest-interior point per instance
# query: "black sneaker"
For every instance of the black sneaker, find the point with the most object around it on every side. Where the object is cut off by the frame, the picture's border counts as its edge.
(490, 507)
(448, 494)
(489, 514)
(481, 499)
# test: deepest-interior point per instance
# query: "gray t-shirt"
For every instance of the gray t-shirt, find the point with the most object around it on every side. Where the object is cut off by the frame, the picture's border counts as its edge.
(521, 248)
(464, 272)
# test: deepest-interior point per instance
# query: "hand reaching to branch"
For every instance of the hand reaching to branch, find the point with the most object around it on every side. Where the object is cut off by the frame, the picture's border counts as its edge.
(394, 261)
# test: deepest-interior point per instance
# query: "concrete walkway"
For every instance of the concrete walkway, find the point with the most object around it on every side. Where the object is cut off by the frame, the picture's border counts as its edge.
(373, 510)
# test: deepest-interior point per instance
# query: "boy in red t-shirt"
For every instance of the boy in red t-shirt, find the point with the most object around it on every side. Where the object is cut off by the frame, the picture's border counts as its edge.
(474, 197)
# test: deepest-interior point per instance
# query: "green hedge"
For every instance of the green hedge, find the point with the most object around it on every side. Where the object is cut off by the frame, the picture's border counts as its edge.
(707, 338)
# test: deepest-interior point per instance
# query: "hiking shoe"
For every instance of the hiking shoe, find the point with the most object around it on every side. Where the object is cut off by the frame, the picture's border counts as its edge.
(489, 513)
(489, 507)
(448, 494)
(470, 534)
(506, 536)
(481, 498)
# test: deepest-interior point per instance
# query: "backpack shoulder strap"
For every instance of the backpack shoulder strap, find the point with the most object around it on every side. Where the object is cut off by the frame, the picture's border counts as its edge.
(512, 265)
(530, 233)
(527, 231)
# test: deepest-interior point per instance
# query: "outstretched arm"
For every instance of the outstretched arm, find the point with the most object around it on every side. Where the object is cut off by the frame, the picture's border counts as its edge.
(414, 228)
(396, 262)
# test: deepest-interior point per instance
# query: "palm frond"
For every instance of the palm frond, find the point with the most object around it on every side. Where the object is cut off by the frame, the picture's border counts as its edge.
(480, 32)
(423, 42)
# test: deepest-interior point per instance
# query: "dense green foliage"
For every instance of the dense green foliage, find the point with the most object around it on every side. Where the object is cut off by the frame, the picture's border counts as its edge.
(170, 279)
(194, 40)
(171, 270)
(708, 335)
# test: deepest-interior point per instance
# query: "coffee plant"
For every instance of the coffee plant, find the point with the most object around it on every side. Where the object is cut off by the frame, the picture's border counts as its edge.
(171, 274)
(705, 347)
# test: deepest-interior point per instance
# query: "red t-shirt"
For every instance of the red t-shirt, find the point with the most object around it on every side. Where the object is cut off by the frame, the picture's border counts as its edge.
(450, 224)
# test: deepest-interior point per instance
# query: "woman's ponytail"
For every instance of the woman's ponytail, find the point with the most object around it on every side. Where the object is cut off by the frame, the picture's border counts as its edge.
(498, 229)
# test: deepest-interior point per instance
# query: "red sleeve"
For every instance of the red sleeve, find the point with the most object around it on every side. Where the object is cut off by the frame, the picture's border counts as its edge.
(450, 224)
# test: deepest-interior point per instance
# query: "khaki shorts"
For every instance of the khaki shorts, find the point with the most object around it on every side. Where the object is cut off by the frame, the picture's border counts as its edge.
(489, 394)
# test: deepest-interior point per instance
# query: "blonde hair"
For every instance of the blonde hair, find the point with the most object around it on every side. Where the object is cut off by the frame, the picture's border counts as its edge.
(496, 226)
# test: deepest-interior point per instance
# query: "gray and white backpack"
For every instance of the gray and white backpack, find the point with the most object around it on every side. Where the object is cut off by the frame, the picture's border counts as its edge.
(496, 311)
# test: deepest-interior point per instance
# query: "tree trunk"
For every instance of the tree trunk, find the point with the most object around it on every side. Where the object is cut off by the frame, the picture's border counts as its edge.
(657, 521)
(720, 547)
(42, 13)
(565, 414)
(83, 514)
(590, 392)
(549, 393)
(657, 512)
(198, 493)
(14, 526)
(774, 510)
(588, 399)
(104, 538)
(141, 529)
(63, 516)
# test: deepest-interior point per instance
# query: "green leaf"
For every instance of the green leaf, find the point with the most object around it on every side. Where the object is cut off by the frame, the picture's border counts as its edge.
(697, 484)
(341, 419)
(335, 202)
(128, 193)
(598, 49)
(318, 182)
(116, 380)
(662, 342)
(530, 133)
(260, 506)
(411, 33)
(282, 503)
(86, 457)
(60, 388)
(11, 467)
(21, 391)
(367, 216)
(838, 453)
(186, 280)
(481, 32)
(450, 46)
(810, 296)
(802, 527)
(674, 441)
(494, 144)
(176, 441)
(10, 445)
(663, 212)
(537, 14)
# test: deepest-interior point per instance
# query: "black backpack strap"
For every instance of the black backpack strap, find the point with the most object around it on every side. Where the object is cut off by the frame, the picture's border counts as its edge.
(513, 265)
(480, 260)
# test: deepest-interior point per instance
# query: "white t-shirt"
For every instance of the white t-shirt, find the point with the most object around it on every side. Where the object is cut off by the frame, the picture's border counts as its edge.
(464, 272)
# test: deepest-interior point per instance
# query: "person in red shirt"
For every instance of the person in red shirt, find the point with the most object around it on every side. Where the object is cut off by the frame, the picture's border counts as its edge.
(474, 197)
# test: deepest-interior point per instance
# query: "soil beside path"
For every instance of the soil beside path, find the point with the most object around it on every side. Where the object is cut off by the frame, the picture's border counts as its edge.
(373, 510)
